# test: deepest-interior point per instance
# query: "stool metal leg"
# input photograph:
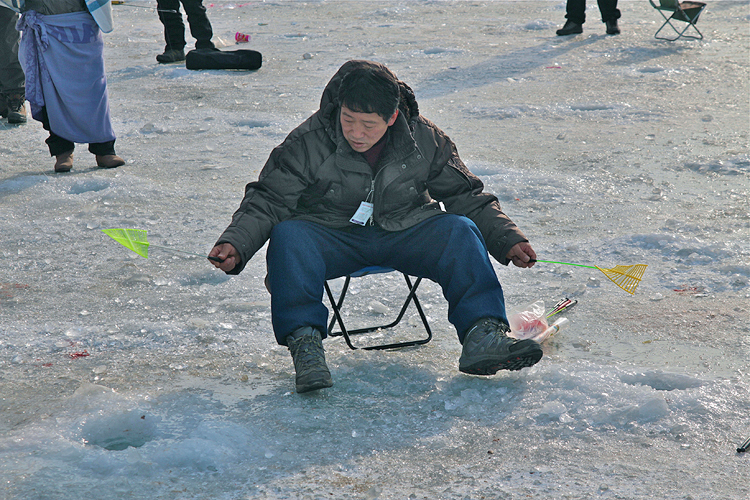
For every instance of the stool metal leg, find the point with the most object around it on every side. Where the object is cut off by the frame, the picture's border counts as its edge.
(411, 297)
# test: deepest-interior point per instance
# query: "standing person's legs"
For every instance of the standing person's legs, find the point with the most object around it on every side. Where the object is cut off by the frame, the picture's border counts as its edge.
(200, 26)
(609, 10)
(610, 15)
(102, 148)
(61, 149)
(11, 72)
(575, 13)
(174, 28)
(12, 92)
(55, 143)
(575, 10)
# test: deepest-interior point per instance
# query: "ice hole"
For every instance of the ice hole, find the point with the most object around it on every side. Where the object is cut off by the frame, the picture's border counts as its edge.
(120, 432)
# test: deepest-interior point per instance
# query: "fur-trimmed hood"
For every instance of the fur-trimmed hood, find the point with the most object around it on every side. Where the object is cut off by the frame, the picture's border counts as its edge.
(329, 101)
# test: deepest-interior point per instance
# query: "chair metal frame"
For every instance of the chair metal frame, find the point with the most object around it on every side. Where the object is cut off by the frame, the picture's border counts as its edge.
(680, 11)
(346, 333)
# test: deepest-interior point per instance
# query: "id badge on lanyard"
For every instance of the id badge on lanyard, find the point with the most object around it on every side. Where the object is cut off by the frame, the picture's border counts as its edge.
(363, 215)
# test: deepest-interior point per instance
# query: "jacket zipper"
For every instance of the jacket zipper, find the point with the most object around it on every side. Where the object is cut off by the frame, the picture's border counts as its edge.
(371, 199)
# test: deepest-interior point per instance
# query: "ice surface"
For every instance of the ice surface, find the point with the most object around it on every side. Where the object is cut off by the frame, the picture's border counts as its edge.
(122, 377)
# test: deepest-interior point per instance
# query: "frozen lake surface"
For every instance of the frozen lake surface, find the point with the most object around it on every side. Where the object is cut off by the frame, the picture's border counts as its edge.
(122, 377)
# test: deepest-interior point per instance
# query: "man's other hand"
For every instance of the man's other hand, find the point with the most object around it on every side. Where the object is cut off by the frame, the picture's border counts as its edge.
(228, 254)
(522, 255)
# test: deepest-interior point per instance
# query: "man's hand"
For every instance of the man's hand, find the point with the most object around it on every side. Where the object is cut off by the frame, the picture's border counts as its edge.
(522, 255)
(228, 254)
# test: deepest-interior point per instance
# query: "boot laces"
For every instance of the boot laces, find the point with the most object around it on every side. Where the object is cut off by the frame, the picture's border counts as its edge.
(307, 352)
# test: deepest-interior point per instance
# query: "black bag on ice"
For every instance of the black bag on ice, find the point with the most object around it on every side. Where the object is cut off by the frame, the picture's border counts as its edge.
(228, 59)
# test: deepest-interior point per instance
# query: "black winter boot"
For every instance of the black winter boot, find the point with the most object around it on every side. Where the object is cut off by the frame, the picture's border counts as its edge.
(570, 28)
(16, 108)
(306, 346)
(612, 28)
(487, 349)
(170, 56)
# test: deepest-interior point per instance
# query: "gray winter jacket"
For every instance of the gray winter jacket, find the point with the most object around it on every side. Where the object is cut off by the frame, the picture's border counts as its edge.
(314, 175)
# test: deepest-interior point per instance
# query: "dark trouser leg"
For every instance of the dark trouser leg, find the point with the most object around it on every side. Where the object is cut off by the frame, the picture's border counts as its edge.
(11, 72)
(301, 256)
(200, 26)
(447, 249)
(174, 28)
(102, 148)
(56, 144)
(609, 10)
(575, 10)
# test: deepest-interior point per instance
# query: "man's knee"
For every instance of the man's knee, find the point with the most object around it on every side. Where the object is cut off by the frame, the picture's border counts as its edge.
(293, 239)
(288, 231)
(465, 231)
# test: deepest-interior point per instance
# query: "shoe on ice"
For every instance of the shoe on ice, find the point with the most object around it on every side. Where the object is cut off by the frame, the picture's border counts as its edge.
(16, 108)
(612, 28)
(64, 161)
(109, 161)
(306, 346)
(487, 349)
(170, 56)
(570, 28)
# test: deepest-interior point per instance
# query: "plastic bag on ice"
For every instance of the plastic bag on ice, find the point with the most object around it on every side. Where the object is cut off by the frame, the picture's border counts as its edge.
(528, 322)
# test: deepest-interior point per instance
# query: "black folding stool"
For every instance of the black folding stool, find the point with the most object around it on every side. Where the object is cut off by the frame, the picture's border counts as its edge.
(346, 333)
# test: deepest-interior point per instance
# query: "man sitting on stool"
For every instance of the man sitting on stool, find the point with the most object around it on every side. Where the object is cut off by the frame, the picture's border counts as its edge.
(361, 183)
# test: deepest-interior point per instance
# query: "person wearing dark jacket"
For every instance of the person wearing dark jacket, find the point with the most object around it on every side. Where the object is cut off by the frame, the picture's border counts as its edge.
(368, 181)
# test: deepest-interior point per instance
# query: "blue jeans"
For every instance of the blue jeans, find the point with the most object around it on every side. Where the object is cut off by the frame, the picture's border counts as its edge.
(447, 249)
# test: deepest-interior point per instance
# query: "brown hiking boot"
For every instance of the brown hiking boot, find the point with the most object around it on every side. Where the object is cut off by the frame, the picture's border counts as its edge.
(109, 161)
(64, 161)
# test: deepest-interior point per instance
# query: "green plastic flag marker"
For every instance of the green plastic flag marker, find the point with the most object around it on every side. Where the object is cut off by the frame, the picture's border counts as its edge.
(626, 277)
(137, 241)
(132, 239)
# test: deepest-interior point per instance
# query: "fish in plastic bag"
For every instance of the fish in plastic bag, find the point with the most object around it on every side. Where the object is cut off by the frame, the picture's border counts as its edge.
(528, 322)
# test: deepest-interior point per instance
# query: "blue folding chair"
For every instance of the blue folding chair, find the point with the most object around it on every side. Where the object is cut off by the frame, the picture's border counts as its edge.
(346, 333)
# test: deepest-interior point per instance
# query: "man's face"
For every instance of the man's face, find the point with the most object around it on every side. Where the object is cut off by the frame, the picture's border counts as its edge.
(363, 130)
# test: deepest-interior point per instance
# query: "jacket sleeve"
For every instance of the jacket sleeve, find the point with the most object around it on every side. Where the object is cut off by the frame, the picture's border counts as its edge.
(462, 193)
(268, 201)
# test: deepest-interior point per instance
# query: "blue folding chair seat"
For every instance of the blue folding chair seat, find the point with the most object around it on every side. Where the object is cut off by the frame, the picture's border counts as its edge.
(346, 333)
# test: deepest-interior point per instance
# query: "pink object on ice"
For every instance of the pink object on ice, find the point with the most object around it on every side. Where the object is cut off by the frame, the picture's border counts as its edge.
(241, 37)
